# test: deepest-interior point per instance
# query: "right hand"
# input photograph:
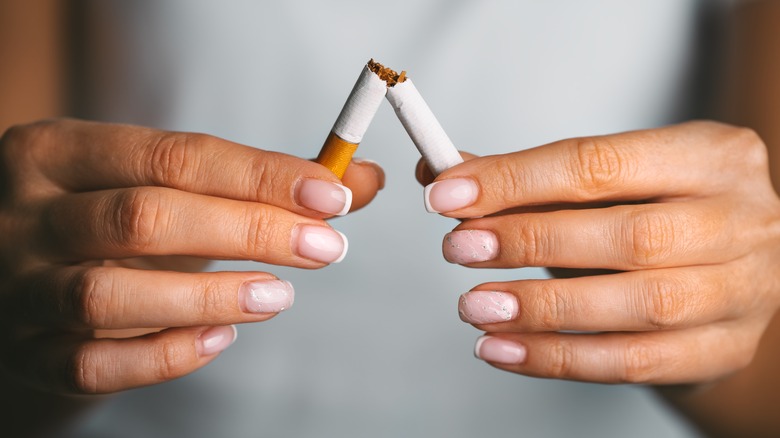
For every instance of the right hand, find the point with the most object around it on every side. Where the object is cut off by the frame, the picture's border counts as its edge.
(90, 212)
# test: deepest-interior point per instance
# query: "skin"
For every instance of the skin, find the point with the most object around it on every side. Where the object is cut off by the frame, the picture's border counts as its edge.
(664, 242)
(92, 214)
(98, 218)
(744, 403)
(86, 200)
(687, 307)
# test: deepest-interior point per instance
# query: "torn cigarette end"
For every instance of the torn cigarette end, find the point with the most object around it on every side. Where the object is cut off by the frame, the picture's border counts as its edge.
(336, 154)
(386, 74)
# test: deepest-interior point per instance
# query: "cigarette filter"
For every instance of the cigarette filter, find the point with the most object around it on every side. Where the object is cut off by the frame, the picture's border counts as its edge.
(421, 125)
(353, 121)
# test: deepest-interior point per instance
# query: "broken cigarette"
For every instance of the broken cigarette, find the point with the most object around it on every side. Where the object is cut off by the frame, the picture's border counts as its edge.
(353, 121)
(375, 82)
(421, 125)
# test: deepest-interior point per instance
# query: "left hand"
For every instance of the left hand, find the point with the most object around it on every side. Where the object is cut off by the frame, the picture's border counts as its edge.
(683, 218)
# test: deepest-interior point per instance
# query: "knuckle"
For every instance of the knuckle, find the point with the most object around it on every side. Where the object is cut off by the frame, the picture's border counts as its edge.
(597, 165)
(552, 303)
(641, 362)
(210, 301)
(173, 158)
(140, 211)
(750, 148)
(171, 360)
(83, 371)
(560, 359)
(93, 298)
(262, 234)
(14, 139)
(665, 304)
(748, 353)
(27, 134)
(651, 237)
(742, 361)
(23, 149)
(535, 241)
(264, 175)
(740, 147)
(509, 182)
(23, 143)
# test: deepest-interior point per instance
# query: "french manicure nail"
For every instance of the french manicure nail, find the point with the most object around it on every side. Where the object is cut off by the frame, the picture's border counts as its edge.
(216, 339)
(321, 244)
(492, 349)
(470, 246)
(450, 195)
(325, 197)
(485, 307)
(271, 296)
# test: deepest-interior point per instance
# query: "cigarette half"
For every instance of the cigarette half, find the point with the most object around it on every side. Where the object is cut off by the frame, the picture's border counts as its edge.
(423, 128)
(353, 121)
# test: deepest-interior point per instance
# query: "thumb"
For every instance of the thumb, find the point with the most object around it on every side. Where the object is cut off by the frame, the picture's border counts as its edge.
(365, 178)
(425, 176)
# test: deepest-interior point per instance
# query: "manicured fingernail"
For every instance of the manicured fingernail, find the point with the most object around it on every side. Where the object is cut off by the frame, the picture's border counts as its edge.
(450, 195)
(321, 244)
(325, 197)
(216, 339)
(492, 349)
(485, 307)
(469, 246)
(380, 173)
(270, 296)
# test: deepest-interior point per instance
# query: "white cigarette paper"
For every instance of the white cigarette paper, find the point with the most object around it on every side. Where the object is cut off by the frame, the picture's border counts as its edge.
(353, 120)
(421, 125)
(362, 104)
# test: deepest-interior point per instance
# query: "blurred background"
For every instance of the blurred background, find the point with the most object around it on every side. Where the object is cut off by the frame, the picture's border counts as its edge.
(374, 346)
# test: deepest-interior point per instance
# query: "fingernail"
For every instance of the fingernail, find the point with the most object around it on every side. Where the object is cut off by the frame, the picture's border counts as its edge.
(380, 173)
(321, 244)
(492, 349)
(325, 197)
(469, 246)
(485, 307)
(450, 195)
(216, 339)
(272, 296)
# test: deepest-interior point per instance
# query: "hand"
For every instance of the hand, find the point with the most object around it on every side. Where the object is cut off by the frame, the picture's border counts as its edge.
(83, 205)
(683, 219)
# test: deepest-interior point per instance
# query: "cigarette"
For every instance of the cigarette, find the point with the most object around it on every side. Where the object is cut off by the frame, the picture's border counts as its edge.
(353, 121)
(423, 128)
(374, 83)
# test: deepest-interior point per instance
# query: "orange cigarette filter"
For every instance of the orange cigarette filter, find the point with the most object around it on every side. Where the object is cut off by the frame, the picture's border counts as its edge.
(336, 154)
(358, 111)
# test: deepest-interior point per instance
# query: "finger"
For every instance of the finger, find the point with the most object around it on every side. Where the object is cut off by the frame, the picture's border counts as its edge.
(159, 221)
(117, 298)
(86, 156)
(662, 357)
(70, 364)
(672, 162)
(620, 238)
(365, 178)
(424, 175)
(662, 299)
